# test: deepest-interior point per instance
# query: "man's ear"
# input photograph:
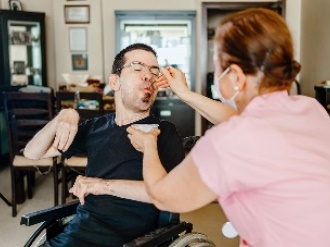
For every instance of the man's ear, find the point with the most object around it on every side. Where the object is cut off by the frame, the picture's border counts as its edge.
(240, 76)
(114, 82)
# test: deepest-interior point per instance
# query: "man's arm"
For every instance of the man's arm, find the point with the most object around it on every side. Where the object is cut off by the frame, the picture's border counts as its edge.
(58, 134)
(128, 189)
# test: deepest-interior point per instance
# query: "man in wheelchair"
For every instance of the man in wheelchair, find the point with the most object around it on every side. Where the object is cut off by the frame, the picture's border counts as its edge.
(114, 207)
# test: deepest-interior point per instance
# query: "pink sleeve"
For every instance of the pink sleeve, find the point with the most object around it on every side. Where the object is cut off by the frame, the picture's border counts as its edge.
(209, 165)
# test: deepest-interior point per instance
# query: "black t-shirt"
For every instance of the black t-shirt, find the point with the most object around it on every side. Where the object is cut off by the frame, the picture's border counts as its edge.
(108, 220)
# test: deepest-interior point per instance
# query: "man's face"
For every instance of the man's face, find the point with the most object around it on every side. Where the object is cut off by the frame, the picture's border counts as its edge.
(136, 88)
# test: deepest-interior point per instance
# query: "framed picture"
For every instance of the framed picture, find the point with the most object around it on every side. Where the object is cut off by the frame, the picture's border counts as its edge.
(78, 38)
(19, 68)
(20, 38)
(15, 5)
(76, 14)
(79, 61)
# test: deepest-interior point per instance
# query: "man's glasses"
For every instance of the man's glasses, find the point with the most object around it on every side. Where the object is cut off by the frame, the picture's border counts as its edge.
(142, 67)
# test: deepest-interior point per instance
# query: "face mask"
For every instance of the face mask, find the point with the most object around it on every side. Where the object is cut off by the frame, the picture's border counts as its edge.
(231, 101)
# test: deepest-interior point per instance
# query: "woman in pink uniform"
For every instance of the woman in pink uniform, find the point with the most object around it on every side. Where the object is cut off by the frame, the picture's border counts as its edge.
(268, 164)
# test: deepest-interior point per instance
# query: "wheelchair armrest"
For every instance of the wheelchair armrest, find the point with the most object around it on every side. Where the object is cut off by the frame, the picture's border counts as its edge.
(49, 214)
(160, 235)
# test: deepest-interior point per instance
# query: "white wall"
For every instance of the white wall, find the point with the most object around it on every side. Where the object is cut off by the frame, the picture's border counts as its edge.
(94, 40)
(101, 32)
(315, 44)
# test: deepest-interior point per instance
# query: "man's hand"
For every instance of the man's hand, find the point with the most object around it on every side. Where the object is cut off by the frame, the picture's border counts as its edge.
(84, 186)
(66, 129)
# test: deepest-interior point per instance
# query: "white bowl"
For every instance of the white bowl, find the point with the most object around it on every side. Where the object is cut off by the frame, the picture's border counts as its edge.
(146, 127)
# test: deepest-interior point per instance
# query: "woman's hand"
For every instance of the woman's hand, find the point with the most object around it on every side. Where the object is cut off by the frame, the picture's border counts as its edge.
(176, 79)
(140, 139)
(162, 82)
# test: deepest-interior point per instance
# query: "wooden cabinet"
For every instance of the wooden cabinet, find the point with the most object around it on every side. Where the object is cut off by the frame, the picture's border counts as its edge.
(177, 112)
(88, 104)
(22, 49)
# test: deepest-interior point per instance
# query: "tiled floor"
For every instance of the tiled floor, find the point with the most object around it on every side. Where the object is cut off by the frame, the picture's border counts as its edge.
(207, 220)
(12, 234)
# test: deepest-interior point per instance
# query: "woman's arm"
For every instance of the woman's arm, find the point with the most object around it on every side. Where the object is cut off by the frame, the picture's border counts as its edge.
(213, 110)
(182, 189)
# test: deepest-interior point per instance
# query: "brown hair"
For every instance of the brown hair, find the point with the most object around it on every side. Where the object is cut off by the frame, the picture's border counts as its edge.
(258, 39)
(119, 61)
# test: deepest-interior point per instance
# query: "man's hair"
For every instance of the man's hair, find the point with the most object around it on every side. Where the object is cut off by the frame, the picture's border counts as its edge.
(119, 61)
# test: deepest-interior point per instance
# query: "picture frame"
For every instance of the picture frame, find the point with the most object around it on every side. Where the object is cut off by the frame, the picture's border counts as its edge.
(77, 14)
(79, 61)
(15, 5)
(78, 39)
(19, 67)
(20, 38)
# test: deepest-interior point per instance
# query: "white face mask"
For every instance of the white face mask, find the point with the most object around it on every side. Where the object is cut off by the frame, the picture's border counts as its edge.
(231, 101)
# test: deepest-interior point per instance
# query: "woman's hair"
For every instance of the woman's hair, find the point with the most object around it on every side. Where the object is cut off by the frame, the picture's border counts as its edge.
(258, 39)
(119, 61)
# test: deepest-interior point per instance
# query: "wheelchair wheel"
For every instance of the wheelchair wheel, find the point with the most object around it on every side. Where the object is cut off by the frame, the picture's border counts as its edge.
(38, 241)
(41, 240)
(193, 239)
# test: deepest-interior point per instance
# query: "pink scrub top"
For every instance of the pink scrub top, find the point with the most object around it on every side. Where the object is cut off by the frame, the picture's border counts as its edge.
(270, 167)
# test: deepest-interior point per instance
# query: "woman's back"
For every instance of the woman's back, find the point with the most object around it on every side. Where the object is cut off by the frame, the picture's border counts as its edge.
(274, 183)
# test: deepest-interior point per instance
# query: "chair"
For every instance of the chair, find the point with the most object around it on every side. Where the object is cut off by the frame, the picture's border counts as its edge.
(88, 105)
(26, 114)
(170, 232)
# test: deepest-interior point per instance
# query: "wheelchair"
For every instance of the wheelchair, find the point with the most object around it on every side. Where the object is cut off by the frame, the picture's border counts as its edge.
(171, 232)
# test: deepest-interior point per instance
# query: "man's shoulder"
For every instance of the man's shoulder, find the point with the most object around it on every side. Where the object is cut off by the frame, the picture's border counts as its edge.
(169, 134)
(163, 124)
(100, 121)
(168, 127)
(166, 124)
